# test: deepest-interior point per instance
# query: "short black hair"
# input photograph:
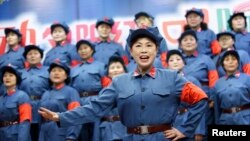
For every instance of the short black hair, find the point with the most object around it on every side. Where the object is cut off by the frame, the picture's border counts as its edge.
(12, 70)
(114, 59)
(28, 48)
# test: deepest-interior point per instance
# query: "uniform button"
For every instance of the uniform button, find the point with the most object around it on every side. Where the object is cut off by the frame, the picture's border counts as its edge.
(142, 107)
(230, 94)
(82, 80)
(142, 89)
(31, 81)
(230, 85)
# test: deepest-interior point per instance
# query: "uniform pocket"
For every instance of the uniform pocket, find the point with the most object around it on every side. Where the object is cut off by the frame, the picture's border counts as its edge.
(161, 92)
(126, 94)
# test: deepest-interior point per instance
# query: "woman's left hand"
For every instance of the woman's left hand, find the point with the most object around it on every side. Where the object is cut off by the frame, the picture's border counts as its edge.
(174, 134)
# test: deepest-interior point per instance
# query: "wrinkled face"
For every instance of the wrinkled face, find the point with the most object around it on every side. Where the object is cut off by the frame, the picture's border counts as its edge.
(194, 20)
(188, 44)
(115, 69)
(144, 51)
(230, 64)
(104, 30)
(226, 41)
(9, 79)
(58, 75)
(85, 51)
(238, 23)
(59, 34)
(12, 39)
(175, 62)
(33, 57)
(143, 21)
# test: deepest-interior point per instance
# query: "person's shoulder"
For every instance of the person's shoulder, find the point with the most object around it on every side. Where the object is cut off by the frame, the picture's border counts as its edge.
(242, 53)
(22, 93)
(210, 30)
(204, 57)
(122, 77)
(166, 71)
(220, 81)
(45, 68)
(70, 88)
(116, 44)
(98, 63)
(244, 75)
(21, 49)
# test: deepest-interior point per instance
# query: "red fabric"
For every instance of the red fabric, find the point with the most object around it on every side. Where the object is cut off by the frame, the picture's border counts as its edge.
(106, 81)
(16, 47)
(90, 60)
(27, 65)
(215, 47)
(99, 40)
(163, 58)
(11, 92)
(59, 86)
(25, 112)
(151, 72)
(246, 69)
(125, 59)
(192, 94)
(2, 45)
(212, 78)
(74, 63)
(73, 105)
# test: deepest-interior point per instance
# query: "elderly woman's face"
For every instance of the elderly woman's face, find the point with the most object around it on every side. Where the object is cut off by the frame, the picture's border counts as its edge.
(144, 51)
(230, 64)
(188, 44)
(33, 57)
(59, 34)
(226, 41)
(85, 51)
(238, 23)
(58, 75)
(115, 69)
(175, 62)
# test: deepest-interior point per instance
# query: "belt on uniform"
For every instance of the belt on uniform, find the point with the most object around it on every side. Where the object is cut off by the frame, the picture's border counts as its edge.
(111, 118)
(148, 129)
(204, 83)
(236, 109)
(45, 120)
(182, 111)
(35, 97)
(7, 123)
(86, 94)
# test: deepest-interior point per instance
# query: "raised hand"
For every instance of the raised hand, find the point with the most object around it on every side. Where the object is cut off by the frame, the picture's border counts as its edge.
(47, 114)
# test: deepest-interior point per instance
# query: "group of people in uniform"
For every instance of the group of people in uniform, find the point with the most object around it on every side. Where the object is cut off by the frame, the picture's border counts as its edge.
(100, 91)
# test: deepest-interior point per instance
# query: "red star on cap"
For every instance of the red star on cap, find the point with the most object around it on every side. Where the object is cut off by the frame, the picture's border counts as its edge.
(106, 19)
